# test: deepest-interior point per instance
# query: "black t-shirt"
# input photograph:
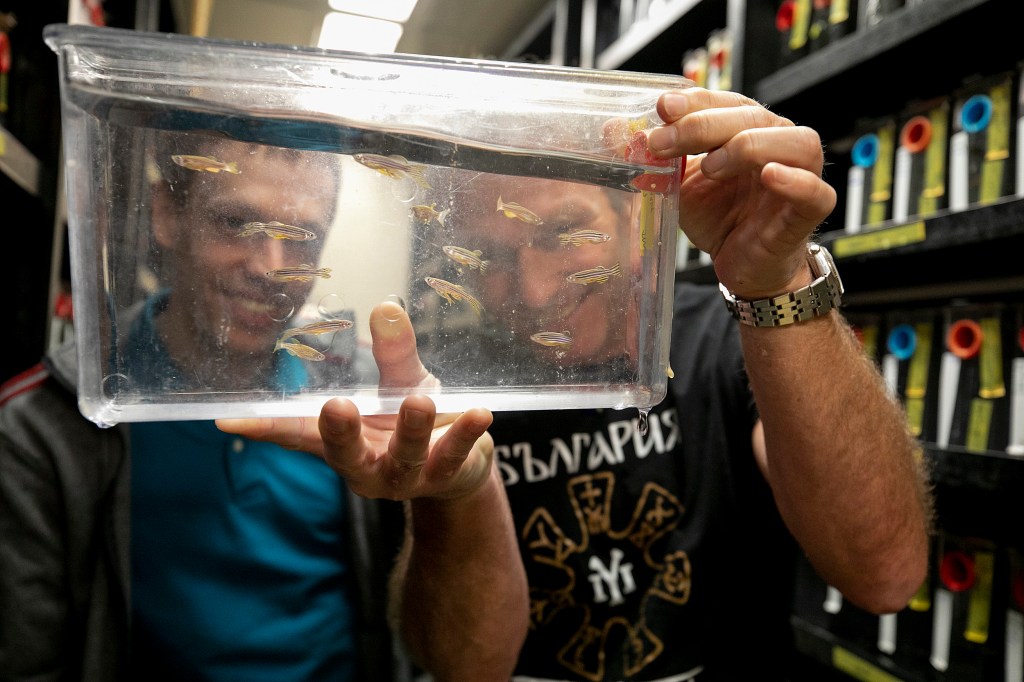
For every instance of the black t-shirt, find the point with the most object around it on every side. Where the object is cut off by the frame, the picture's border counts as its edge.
(652, 555)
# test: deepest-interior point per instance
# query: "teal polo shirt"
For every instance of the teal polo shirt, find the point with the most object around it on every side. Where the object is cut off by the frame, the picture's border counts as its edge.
(239, 567)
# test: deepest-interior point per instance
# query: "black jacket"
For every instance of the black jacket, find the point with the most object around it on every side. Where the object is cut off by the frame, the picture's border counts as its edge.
(64, 541)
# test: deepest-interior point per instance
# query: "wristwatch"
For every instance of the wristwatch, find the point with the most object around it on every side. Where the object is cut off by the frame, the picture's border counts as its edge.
(814, 300)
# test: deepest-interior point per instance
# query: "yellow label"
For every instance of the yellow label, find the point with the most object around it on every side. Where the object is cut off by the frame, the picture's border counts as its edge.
(857, 668)
(881, 175)
(915, 415)
(839, 11)
(934, 164)
(869, 340)
(922, 600)
(990, 359)
(979, 421)
(879, 240)
(997, 146)
(801, 21)
(981, 599)
(647, 209)
(917, 372)
(3, 142)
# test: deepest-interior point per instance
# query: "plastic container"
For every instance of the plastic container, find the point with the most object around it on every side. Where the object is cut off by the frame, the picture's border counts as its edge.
(235, 211)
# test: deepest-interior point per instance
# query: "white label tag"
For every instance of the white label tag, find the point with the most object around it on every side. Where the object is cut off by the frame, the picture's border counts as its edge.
(959, 152)
(1016, 446)
(901, 185)
(855, 199)
(1014, 659)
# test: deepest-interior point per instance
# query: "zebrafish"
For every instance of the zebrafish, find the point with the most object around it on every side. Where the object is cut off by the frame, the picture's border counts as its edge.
(553, 339)
(453, 292)
(593, 275)
(473, 259)
(298, 273)
(394, 166)
(299, 350)
(323, 327)
(581, 237)
(514, 210)
(425, 214)
(277, 231)
(205, 163)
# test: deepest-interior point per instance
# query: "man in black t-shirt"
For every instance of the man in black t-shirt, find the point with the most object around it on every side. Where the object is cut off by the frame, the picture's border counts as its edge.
(666, 553)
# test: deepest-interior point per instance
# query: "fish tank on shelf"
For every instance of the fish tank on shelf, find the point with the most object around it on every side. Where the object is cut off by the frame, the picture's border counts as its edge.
(238, 213)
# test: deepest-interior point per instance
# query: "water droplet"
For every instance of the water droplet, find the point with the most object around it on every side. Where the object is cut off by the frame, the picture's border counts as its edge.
(641, 424)
(404, 190)
(331, 306)
(113, 384)
(281, 307)
(390, 314)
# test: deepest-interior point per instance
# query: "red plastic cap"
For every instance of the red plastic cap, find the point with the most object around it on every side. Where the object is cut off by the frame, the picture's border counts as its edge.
(964, 338)
(784, 17)
(916, 134)
(637, 151)
(956, 570)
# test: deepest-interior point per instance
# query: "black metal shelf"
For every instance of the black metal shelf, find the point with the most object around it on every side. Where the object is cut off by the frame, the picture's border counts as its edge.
(975, 252)
(921, 51)
(853, 659)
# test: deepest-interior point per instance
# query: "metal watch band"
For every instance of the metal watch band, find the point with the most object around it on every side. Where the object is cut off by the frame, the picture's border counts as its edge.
(813, 300)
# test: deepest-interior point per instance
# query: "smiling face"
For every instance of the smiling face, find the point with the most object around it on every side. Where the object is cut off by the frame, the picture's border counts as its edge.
(529, 284)
(223, 301)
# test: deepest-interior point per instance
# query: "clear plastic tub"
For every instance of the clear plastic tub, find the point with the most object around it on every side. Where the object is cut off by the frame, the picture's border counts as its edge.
(236, 210)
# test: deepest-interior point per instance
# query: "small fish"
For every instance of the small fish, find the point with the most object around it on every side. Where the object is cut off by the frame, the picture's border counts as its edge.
(553, 339)
(514, 210)
(299, 273)
(453, 292)
(473, 259)
(425, 214)
(593, 275)
(299, 350)
(394, 166)
(205, 163)
(277, 231)
(316, 328)
(581, 237)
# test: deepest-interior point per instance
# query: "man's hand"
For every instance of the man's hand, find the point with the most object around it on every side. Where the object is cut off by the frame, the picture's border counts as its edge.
(752, 190)
(416, 453)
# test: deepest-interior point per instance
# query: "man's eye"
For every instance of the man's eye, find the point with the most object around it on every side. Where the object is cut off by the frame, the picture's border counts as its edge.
(226, 224)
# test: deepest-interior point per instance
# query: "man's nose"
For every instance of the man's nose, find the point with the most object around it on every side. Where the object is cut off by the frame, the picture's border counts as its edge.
(540, 276)
(272, 255)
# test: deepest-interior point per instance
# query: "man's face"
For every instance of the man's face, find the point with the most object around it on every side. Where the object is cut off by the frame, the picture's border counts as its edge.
(222, 283)
(529, 284)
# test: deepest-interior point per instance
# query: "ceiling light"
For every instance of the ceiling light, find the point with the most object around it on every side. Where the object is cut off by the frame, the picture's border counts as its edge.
(392, 10)
(341, 31)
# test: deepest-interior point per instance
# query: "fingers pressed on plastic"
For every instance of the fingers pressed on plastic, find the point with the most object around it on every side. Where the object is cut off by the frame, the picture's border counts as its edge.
(678, 103)
(394, 347)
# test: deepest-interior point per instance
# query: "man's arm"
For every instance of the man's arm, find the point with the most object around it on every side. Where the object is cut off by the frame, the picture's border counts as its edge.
(834, 447)
(839, 458)
(457, 597)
